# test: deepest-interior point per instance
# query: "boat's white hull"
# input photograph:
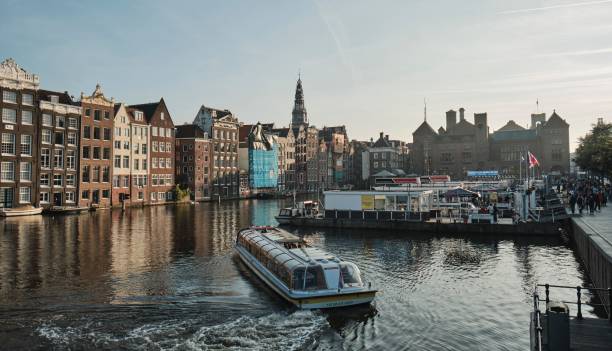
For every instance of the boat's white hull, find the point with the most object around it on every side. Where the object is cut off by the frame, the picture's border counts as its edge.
(312, 301)
(9, 212)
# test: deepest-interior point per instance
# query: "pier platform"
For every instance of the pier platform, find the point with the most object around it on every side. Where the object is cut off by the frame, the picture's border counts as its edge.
(592, 235)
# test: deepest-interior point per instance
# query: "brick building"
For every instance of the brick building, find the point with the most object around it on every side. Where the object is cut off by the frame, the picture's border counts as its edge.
(19, 133)
(222, 127)
(161, 186)
(59, 138)
(96, 149)
(193, 165)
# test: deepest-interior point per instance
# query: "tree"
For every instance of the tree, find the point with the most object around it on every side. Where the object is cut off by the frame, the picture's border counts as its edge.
(594, 152)
(181, 193)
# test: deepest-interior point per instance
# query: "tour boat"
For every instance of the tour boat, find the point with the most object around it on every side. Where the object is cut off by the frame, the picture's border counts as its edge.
(301, 209)
(303, 275)
(25, 211)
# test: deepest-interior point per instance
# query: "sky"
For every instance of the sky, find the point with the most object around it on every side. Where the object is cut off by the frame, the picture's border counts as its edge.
(368, 65)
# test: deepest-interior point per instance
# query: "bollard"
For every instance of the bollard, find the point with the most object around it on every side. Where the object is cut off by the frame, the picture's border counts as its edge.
(547, 293)
(579, 315)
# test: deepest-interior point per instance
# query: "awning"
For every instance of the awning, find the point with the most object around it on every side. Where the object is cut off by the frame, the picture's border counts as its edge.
(460, 192)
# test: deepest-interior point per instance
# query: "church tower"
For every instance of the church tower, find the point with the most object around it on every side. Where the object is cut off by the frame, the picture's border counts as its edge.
(299, 115)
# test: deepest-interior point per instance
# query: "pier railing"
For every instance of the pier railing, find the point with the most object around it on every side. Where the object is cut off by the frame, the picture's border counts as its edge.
(537, 328)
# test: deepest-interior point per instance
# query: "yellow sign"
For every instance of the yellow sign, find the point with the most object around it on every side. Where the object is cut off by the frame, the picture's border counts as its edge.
(367, 202)
(493, 197)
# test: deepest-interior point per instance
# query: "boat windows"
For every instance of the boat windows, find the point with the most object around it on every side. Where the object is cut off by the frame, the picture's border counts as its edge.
(285, 212)
(311, 278)
(350, 274)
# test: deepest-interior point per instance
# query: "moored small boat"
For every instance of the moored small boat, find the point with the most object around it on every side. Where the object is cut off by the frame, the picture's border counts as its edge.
(301, 209)
(304, 276)
(65, 210)
(24, 211)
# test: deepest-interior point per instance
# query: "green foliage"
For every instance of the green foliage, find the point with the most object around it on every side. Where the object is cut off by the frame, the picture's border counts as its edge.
(181, 194)
(594, 152)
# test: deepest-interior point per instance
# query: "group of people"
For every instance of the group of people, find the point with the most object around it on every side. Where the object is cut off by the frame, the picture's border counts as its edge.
(587, 195)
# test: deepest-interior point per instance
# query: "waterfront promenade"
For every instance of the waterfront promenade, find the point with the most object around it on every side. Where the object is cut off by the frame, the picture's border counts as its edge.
(592, 235)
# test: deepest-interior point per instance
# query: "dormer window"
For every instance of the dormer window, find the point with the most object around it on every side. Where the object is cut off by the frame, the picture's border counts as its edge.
(138, 115)
(162, 116)
(54, 98)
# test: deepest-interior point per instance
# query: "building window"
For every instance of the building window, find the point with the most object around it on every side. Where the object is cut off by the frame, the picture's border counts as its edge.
(106, 153)
(44, 197)
(27, 99)
(47, 120)
(9, 96)
(117, 163)
(161, 115)
(58, 180)
(105, 194)
(88, 112)
(85, 195)
(25, 172)
(45, 158)
(106, 174)
(85, 151)
(54, 99)
(556, 154)
(72, 123)
(144, 149)
(155, 146)
(126, 161)
(59, 138)
(126, 145)
(85, 175)
(70, 180)
(60, 122)
(446, 157)
(9, 115)
(107, 134)
(138, 115)
(106, 115)
(96, 134)
(115, 181)
(96, 153)
(95, 177)
(126, 182)
(46, 136)
(44, 179)
(154, 196)
(71, 159)
(7, 171)
(70, 196)
(72, 138)
(117, 144)
(58, 158)
(154, 162)
(144, 165)
(86, 132)
(154, 131)
(96, 115)
(136, 164)
(26, 117)
(25, 195)
(8, 144)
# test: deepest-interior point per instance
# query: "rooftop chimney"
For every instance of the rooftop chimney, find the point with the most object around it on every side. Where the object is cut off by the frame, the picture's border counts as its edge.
(461, 114)
(451, 119)
(387, 137)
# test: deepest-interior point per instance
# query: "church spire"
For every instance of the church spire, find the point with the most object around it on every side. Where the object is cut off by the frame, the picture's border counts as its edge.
(299, 114)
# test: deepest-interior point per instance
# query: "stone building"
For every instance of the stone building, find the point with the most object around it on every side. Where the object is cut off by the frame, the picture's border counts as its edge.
(59, 149)
(162, 155)
(130, 157)
(312, 160)
(381, 157)
(286, 158)
(222, 128)
(337, 143)
(193, 166)
(464, 146)
(19, 130)
(299, 132)
(96, 147)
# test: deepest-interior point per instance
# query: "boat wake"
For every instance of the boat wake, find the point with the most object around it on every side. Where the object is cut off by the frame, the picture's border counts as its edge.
(277, 331)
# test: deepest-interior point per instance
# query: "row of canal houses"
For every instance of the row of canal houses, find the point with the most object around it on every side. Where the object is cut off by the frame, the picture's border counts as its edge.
(93, 152)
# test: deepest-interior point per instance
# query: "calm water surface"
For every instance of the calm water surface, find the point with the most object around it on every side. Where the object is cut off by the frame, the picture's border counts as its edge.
(168, 278)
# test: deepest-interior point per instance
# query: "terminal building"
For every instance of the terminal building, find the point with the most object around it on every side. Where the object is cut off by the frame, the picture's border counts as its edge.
(463, 146)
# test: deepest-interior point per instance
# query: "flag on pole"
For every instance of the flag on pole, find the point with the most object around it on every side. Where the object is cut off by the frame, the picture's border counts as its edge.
(533, 161)
(522, 158)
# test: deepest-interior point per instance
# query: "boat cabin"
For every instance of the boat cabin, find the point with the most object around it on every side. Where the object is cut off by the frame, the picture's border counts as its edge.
(297, 265)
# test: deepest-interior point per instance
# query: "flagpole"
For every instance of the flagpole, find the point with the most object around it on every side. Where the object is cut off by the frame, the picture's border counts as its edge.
(520, 167)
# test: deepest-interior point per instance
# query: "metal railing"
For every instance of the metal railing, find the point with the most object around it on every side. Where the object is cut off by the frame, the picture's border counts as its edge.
(537, 315)
(578, 302)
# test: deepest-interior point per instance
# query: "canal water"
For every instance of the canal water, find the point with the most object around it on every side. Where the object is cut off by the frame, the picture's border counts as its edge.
(167, 278)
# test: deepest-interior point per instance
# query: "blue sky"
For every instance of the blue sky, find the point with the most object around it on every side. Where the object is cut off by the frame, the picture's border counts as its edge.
(367, 65)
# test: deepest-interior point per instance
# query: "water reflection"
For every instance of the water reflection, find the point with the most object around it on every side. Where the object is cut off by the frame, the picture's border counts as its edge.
(165, 277)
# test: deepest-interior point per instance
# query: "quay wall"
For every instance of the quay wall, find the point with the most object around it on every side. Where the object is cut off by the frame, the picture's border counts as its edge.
(521, 229)
(591, 248)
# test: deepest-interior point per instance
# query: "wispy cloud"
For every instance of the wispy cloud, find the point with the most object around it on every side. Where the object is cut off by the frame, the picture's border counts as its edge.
(577, 53)
(552, 7)
(335, 28)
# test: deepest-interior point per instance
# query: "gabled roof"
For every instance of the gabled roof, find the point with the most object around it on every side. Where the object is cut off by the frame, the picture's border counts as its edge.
(243, 131)
(555, 121)
(148, 109)
(382, 142)
(282, 132)
(424, 128)
(189, 131)
(511, 125)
